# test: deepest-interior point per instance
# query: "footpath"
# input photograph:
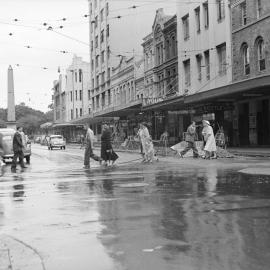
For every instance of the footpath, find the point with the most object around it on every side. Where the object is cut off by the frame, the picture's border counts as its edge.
(259, 152)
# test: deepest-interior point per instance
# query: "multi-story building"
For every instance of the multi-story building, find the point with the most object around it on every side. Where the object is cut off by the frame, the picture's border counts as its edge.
(161, 74)
(251, 70)
(77, 89)
(116, 29)
(205, 62)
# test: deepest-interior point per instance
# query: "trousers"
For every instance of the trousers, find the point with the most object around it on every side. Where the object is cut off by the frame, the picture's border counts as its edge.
(17, 154)
(191, 145)
(88, 153)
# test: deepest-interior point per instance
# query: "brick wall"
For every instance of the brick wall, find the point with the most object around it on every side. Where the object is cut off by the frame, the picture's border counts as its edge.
(248, 34)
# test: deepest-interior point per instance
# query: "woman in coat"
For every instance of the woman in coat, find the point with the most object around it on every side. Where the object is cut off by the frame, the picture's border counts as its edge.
(147, 144)
(209, 139)
(107, 153)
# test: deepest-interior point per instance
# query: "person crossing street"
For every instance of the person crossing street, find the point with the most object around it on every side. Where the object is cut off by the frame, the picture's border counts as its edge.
(18, 149)
(190, 139)
(88, 153)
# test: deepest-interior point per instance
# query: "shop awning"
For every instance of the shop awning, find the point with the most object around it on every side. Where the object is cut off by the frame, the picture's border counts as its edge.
(60, 125)
(46, 125)
(255, 87)
(121, 110)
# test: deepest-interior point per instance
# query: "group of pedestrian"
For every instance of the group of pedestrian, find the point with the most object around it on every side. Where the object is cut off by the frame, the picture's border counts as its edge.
(107, 154)
(209, 141)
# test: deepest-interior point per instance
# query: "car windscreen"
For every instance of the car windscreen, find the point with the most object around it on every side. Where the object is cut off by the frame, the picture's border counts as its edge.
(56, 138)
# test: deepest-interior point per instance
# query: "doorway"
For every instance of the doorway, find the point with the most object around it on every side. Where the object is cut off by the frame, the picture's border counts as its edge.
(243, 124)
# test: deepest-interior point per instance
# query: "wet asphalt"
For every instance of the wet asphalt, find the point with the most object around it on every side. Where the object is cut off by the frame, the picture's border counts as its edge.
(174, 214)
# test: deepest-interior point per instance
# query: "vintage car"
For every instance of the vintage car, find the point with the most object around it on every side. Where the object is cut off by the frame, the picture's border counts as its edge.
(6, 135)
(56, 141)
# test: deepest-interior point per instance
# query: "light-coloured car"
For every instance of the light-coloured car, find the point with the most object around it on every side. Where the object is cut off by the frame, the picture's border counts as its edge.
(56, 141)
(7, 135)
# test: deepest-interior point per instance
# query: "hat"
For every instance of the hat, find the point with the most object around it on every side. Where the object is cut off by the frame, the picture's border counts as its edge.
(206, 122)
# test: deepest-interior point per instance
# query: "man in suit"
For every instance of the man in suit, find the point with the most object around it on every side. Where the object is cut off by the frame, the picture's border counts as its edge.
(190, 139)
(89, 143)
(17, 149)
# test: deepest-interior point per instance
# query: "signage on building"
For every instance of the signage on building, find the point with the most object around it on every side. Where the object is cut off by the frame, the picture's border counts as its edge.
(214, 107)
(151, 101)
(182, 112)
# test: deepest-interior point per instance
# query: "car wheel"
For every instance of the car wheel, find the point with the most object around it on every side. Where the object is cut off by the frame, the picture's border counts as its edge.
(27, 159)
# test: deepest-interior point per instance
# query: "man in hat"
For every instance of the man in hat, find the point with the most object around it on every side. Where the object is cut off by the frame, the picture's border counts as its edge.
(190, 139)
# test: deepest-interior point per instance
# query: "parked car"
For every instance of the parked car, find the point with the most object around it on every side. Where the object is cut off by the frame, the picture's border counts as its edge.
(56, 141)
(7, 141)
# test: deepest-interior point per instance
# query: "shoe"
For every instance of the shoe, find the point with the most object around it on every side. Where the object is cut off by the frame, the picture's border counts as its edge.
(86, 166)
(180, 155)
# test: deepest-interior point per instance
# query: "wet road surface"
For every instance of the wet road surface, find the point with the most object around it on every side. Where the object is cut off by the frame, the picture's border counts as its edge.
(174, 214)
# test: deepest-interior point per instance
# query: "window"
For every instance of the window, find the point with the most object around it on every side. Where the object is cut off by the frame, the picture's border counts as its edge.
(221, 51)
(89, 111)
(76, 113)
(103, 77)
(71, 114)
(207, 64)
(80, 112)
(76, 95)
(92, 45)
(93, 103)
(197, 19)
(97, 81)
(108, 30)
(96, 41)
(95, 4)
(89, 94)
(187, 72)
(97, 60)
(92, 64)
(96, 21)
(80, 75)
(71, 96)
(244, 13)
(259, 8)
(80, 94)
(102, 15)
(107, 9)
(102, 36)
(167, 48)
(102, 57)
(185, 21)
(206, 14)
(75, 76)
(91, 9)
(220, 10)
(174, 46)
(108, 73)
(260, 54)
(199, 66)
(245, 55)
(108, 52)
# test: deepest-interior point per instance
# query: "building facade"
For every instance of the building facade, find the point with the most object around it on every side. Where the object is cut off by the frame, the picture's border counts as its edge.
(251, 66)
(161, 75)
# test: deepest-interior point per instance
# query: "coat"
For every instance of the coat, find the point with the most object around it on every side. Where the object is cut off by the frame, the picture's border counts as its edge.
(191, 134)
(209, 138)
(107, 152)
(17, 142)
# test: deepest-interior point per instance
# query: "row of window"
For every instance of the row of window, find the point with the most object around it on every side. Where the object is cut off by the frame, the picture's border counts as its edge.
(78, 114)
(101, 78)
(102, 12)
(102, 38)
(197, 13)
(100, 60)
(77, 97)
(243, 7)
(258, 52)
(222, 62)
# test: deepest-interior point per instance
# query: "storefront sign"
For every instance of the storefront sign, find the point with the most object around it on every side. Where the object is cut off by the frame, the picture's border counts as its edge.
(214, 107)
(151, 101)
(182, 112)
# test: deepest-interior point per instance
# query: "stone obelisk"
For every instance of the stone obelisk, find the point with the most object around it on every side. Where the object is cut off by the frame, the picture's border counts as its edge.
(11, 118)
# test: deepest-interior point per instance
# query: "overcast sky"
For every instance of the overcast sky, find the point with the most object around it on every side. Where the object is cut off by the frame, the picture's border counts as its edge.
(21, 25)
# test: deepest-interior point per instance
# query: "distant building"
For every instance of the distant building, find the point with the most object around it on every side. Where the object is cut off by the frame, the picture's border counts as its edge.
(251, 71)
